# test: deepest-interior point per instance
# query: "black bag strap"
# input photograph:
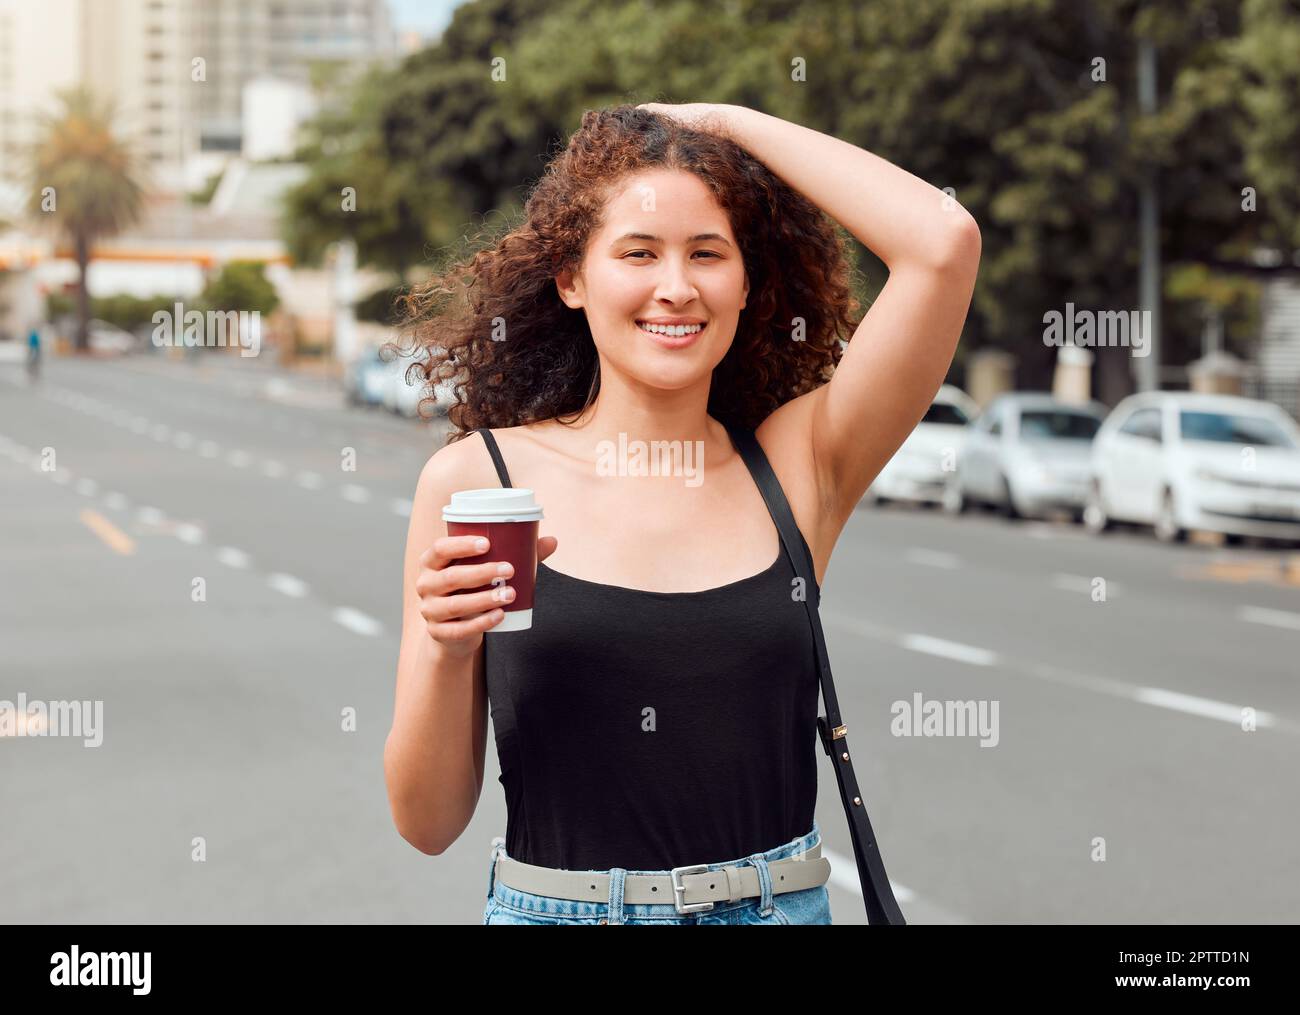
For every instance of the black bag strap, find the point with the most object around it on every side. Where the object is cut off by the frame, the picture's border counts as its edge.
(882, 908)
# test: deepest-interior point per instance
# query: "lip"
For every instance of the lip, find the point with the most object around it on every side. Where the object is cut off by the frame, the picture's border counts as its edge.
(673, 342)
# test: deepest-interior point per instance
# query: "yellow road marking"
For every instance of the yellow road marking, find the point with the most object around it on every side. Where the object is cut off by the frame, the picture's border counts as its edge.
(1277, 572)
(116, 539)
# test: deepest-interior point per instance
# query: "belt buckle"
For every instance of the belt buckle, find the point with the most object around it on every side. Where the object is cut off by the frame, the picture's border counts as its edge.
(679, 889)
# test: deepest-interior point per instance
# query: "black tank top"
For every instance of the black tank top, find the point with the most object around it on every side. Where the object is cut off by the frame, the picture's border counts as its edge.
(651, 730)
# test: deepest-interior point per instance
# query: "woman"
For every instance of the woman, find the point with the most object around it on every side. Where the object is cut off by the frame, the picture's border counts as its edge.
(675, 279)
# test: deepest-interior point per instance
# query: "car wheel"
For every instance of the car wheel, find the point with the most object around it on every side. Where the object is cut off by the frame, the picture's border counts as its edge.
(1167, 528)
(954, 499)
(1009, 509)
(1095, 519)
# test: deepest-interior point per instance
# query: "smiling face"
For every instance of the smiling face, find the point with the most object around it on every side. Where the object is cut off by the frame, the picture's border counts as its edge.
(665, 256)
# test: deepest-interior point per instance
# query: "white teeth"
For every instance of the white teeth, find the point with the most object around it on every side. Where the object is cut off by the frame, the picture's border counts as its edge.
(675, 331)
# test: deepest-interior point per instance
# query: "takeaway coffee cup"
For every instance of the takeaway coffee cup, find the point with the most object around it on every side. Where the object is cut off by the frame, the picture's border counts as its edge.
(509, 518)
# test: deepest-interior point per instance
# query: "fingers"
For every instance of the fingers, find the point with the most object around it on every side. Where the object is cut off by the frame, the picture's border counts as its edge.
(449, 548)
(440, 609)
(447, 580)
(459, 630)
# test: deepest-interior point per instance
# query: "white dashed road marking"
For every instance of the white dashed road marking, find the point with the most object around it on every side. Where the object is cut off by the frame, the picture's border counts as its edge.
(231, 557)
(1273, 618)
(355, 620)
(1081, 583)
(1197, 706)
(288, 584)
(932, 558)
(949, 649)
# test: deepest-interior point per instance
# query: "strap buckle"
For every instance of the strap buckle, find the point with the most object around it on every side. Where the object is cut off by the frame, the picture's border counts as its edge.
(827, 734)
(679, 889)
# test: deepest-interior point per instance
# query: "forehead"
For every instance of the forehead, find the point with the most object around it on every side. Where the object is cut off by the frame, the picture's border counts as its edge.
(671, 199)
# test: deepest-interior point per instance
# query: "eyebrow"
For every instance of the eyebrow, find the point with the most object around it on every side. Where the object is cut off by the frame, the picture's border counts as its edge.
(658, 239)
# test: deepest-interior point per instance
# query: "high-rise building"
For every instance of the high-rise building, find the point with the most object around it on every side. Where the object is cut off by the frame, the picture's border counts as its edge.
(175, 69)
(242, 40)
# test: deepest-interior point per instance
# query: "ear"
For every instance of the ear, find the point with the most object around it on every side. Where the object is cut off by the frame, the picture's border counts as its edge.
(745, 293)
(569, 288)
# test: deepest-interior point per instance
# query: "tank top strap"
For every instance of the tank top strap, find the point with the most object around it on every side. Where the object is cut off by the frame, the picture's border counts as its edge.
(490, 440)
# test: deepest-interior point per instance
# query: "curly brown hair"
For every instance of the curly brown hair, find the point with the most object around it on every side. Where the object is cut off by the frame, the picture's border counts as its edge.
(794, 255)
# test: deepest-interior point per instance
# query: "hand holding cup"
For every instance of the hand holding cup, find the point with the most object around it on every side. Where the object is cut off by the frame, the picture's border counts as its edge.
(458, 619)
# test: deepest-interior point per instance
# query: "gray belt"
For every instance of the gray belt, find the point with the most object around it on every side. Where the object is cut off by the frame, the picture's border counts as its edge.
(691, 889)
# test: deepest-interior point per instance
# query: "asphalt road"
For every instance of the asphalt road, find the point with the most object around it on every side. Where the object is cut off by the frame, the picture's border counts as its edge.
(1121, 787)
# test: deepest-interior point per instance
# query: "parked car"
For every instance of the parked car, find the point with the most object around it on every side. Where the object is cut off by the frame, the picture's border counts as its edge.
(1028, 454)
(921, 467)
(364, 378)
(404, 396)
(108, 339)
(1181, 460)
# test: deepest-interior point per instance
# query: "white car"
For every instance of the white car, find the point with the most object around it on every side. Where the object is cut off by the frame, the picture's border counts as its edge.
(404, 396)
(365, 377)
(1028, 454)
(921, 467)
(1179, 460)
(109, 339)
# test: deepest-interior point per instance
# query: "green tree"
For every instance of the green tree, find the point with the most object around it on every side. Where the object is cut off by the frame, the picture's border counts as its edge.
(355, 187)
(240, 285)
(1027, 109)
(84, 182)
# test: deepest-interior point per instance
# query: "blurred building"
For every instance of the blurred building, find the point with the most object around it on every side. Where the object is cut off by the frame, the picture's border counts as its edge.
(207, 93)
(1276, 376)
(286, 39)
(179, 70)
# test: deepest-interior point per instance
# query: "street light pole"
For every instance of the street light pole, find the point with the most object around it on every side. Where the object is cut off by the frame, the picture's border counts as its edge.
(1146, 369)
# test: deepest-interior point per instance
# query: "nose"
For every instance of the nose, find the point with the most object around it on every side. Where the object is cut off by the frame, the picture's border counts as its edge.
(675, 285)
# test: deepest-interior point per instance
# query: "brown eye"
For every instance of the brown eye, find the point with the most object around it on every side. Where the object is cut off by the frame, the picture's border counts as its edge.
(709, 252)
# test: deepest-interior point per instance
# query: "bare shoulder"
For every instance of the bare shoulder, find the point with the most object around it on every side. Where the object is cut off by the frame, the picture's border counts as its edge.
(462, 465)
(786, 438)
(543, 444)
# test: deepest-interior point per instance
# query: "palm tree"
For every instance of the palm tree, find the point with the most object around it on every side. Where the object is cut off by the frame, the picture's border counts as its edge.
(84, 182)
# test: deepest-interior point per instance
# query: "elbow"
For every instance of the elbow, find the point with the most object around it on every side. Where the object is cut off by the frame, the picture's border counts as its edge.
(420, 838)
(402, 808)
(959, 245)
(424, 846)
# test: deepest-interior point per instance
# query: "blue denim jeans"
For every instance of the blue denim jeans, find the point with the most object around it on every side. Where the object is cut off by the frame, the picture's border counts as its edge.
(506, 905)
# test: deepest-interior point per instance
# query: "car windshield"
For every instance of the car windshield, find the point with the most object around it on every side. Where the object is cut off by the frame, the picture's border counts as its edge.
(945, 412)
(1058, 425)
(1227, 428)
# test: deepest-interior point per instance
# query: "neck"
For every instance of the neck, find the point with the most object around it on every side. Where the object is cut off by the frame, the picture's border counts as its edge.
(648, 414)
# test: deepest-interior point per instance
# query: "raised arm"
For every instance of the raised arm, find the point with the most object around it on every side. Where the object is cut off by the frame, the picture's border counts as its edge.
(900, 353)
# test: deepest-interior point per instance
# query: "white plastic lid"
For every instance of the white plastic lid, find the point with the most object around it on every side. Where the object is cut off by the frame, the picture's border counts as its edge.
(495, 504)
